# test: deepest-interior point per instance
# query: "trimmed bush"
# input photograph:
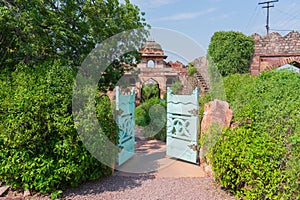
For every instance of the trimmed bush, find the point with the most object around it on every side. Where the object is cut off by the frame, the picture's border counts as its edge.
(150, 91)
(231, 52)
(260, 158)
(152, 116)
(40, 147)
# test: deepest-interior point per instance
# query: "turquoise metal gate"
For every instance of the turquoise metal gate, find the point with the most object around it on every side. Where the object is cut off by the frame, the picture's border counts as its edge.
(182, 126)
(125, 106)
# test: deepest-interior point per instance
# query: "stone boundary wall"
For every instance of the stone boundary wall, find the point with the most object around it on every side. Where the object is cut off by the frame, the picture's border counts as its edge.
(274, 50)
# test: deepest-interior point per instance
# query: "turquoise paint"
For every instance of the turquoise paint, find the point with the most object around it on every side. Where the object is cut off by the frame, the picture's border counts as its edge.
(125, 107)
(182, 126)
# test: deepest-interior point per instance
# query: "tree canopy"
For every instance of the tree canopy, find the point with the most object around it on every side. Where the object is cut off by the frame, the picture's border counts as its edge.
(34, 31)
(231, 52)
(43, 43)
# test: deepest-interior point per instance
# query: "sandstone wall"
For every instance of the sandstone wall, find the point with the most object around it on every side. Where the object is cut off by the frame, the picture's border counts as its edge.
(274, 50)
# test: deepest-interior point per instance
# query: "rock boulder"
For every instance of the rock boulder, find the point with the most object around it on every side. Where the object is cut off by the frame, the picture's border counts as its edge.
(217, 115)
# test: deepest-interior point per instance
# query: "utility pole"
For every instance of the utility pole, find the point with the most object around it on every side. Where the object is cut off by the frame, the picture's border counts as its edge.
(268, 6)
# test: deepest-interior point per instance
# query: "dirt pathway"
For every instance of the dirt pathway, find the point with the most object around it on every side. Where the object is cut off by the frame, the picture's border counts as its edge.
(151, 175)
(148, 187)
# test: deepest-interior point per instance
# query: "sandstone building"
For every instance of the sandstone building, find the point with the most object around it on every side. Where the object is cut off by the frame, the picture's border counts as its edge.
(154, 69)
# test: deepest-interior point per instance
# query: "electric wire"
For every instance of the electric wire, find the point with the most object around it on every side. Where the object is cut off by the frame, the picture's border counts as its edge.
(250, 22)
(285, 20)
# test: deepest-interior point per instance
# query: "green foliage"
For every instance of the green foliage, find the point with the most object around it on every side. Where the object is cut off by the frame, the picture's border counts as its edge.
(260, 158)
(150, 91)
(152, 116)
(249, 164)
(207, 141)
(216, 82)
(40, 147)
(34, 31)
(202, 101)
(176, 87)
(142, 117)
(231, 52)
(191, 69)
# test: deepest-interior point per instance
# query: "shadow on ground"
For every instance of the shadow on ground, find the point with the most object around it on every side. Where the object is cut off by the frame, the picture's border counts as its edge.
(111, 184)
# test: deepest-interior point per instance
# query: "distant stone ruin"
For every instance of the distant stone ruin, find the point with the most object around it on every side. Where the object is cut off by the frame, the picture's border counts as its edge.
(155, 70)
(274, 50)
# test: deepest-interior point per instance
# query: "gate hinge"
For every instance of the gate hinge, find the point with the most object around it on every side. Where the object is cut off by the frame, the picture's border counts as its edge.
(194, 147)
(194, 112)
(119, 112)
(120, 148)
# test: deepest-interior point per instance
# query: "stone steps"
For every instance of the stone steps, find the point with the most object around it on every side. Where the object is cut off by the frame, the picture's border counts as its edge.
(200, 82)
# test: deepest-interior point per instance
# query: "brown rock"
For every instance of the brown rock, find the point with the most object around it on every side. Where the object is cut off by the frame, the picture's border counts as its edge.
(3, 189)
(26, 193)
(217, 115)
(216, 112)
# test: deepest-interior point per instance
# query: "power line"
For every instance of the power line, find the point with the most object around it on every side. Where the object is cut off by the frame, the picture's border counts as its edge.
(284, 30)
(288, 13)
(287, 19)
(251, 19)
(268, 6)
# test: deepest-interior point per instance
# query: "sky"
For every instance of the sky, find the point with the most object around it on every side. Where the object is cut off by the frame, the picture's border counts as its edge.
(200, 19)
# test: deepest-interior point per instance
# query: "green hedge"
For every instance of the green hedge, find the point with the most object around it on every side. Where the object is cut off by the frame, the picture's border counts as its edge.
(40, 148)
(152, 116)
(230, 52)
(260, 158)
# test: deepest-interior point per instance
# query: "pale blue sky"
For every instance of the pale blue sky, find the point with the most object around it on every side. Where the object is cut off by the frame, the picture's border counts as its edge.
(199, 19)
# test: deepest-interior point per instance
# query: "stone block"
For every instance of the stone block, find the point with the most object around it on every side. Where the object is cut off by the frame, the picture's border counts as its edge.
(3, 189)
(26, 193)
(216, 112)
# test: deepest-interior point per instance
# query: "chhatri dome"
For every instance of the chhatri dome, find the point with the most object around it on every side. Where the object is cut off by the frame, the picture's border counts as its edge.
(152, 48)
(151, 44)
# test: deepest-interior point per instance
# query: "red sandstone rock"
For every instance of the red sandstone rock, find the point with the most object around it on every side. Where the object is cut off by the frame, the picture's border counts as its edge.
(26, 193)
(216, 112)
(3, 189)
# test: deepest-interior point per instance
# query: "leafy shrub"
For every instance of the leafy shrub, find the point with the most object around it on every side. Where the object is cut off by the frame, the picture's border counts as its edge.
(176, 87)
(191, 69)
(231, 52)
(150, 91)
(202, 101)
(260, 158)
(152, 116)
(40, 147)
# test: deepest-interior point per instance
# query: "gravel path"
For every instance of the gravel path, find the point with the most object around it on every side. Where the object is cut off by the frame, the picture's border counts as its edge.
(148, 187)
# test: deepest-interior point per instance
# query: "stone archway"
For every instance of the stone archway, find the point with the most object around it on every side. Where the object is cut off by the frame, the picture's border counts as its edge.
(150, 89)
(268, 63)
(288, 60)
(154, 67)
(274, 50)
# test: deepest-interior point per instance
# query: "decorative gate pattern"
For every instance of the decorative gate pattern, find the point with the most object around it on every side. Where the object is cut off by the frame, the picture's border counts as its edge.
(182, 126)
(125, 105)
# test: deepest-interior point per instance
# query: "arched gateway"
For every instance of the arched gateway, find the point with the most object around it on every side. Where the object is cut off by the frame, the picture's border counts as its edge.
(273, 50)
(154, 67)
